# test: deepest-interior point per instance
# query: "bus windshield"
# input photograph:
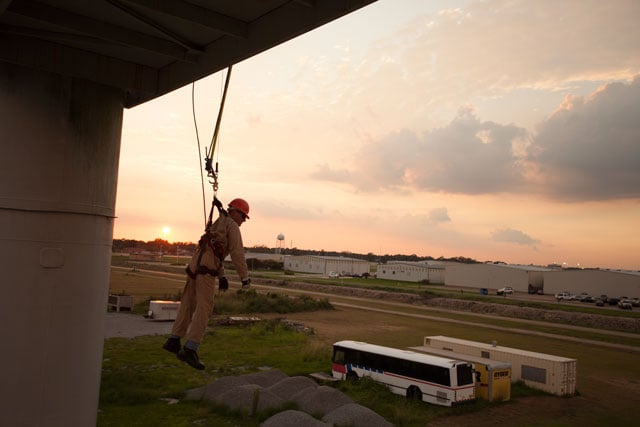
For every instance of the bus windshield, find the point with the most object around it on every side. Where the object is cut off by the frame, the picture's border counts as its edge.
(465, 374)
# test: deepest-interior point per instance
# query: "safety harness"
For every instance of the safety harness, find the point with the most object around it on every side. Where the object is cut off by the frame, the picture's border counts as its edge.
(208, 241)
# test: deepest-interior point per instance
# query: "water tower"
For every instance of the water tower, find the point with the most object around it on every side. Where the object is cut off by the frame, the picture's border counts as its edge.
(279, 243)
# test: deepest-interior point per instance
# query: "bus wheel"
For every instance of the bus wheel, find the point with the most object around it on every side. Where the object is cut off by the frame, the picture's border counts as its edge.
(414, 392)
(352, 376)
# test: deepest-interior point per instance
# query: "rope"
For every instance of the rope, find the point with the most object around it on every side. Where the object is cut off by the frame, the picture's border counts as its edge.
(195, 124)
(211, 173)
(214, 139)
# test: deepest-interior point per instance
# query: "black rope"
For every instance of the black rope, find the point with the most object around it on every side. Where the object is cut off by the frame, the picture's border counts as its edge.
(195, 124)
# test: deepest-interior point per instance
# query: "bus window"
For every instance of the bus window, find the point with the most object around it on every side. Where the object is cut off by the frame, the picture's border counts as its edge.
(338, 356)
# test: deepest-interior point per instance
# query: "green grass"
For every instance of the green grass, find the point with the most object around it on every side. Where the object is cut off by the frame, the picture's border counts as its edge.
(253, 302)
(137, 375)
(139, 379)
(250, 302)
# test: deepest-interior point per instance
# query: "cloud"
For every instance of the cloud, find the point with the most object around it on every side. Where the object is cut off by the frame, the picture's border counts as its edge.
(509, 235)
(506, 44)
(290, 210)
(467, 156)
(326, 173)
(439, 215)
(589, 149)
(484, 50)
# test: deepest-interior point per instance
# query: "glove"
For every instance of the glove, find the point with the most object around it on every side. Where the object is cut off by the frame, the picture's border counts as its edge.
(223, 283)
(246, 283)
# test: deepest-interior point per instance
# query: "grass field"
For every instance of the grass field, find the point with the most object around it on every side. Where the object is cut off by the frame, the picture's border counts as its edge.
(608, 380)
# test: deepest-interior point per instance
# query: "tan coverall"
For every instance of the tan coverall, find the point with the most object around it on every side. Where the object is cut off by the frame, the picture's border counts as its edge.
(196, 305)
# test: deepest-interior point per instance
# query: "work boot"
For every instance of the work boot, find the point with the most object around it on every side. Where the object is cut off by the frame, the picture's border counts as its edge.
(172, 345)
(191, 357)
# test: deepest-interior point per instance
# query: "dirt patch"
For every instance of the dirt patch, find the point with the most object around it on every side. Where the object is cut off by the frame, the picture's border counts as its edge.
(535, 410)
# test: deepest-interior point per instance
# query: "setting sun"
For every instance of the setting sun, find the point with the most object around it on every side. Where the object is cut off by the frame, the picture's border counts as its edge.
(166, 230)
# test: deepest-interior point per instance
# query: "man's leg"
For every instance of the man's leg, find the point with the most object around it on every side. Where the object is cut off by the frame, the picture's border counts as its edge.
(205, 290)
(183, 317)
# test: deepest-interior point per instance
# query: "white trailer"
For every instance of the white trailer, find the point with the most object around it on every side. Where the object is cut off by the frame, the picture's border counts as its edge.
(163, 310)
(553, 374)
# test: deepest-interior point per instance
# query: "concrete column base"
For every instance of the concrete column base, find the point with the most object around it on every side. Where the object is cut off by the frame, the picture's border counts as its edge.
(58, 173)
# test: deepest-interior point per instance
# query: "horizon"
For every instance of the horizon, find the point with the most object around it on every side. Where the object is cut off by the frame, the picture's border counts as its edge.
(439, 258)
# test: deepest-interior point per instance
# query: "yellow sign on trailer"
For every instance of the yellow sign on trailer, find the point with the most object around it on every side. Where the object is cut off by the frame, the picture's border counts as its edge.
(493, 383)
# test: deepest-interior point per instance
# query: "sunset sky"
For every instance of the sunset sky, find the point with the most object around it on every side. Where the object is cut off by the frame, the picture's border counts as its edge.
(495, 130)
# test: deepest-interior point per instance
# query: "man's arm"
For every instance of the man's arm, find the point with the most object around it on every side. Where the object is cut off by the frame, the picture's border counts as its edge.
(236, 250)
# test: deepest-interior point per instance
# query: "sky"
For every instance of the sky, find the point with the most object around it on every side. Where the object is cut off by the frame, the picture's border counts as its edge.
(494, 130)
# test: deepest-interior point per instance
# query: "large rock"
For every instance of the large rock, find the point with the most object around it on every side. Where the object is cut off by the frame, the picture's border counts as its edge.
(249, 397)
(270, 390)
(355, 415)
(289, 386)
(292, 418)
(320, 400)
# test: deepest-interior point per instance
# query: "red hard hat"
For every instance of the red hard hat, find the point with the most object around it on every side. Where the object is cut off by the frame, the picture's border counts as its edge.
(241, 205)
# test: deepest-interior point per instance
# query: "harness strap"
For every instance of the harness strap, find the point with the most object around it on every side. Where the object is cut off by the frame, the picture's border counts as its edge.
(201, 270)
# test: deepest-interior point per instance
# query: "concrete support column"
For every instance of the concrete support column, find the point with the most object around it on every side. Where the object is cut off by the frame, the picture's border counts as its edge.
(59, 150)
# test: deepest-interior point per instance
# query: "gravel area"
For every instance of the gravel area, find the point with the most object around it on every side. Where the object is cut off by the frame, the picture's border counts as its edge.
(128, 325)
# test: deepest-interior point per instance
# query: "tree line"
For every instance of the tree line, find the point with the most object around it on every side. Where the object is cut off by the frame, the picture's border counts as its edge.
(161, 246)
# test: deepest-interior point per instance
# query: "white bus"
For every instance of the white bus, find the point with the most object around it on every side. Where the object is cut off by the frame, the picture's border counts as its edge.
(415, 375)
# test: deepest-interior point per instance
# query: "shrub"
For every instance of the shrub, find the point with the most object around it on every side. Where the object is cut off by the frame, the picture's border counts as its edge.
(249, 301)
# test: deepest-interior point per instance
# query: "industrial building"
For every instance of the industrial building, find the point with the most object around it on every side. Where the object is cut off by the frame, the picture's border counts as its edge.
(324, 265)
(432, 272)
(594, 282)
(522, 278)
(494, 276)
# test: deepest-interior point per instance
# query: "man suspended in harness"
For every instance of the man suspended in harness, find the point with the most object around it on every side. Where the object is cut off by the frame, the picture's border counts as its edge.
(220, 239)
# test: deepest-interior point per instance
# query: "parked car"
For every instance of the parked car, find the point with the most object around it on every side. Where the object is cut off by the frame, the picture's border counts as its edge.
(600, 302)
(504, 291)
(581, 297)
(625, 304)
(635, 302)
(613, 301)
(564, 295)
(588, 298)
(333, 274)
